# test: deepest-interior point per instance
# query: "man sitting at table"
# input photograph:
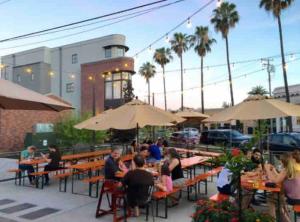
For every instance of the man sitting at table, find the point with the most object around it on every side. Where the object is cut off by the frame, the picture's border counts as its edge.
(113, 165)
(28, 154)
(138, 183)
(155, 154)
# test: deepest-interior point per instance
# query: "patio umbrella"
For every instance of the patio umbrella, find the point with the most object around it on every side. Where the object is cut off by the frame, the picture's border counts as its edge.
(256, 108)
(192, 115)
(91, 121)
(135, 114)
(14, 96)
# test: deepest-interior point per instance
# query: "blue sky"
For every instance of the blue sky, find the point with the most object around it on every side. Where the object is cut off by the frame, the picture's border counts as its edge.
(255, 36)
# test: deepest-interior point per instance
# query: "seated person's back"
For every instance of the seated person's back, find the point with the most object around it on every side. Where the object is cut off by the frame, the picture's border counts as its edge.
(138, 182)
(154, 152)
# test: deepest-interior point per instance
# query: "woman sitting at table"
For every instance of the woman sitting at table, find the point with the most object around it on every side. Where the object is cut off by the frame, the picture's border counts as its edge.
(133, 147)
(165, 182)
(175, 168)
(289, 176)
(53, 159)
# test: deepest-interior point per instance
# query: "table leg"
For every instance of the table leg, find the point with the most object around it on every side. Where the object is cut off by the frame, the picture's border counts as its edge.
(278, 208)
(36, 177)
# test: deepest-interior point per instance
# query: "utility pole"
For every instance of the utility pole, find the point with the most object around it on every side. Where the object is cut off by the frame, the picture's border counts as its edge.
(153, 100)
(270, 69)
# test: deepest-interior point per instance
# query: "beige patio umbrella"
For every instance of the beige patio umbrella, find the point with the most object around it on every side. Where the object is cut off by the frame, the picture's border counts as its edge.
(192, 115)
(91, 121)
(131, 115)
(135, 114)
(256, 108)
(14, 96)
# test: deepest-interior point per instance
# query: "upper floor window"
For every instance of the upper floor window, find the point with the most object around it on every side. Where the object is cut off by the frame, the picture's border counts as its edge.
(120, 51)
(70, 87)
(107, 52)
(74, 58)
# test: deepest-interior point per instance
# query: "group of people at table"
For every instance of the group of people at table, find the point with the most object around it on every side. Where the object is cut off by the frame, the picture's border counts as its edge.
(285, 176)
(152, 166)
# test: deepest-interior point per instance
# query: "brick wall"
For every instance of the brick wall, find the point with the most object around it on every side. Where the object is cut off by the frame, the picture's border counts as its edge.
(96, 69)
(14, 124)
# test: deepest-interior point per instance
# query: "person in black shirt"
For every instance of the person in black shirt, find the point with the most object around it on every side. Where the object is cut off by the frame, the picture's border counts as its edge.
(137, 183)
(113, 165)
(53, 159)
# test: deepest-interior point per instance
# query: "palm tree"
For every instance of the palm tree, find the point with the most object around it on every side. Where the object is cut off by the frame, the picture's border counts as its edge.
(162, 56)
(258, 90)
(180, 44)
(147, 70)
(224, 18)
(202, 45)
(275, 7)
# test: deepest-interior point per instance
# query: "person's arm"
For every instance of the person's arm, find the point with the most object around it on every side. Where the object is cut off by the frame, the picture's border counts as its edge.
(173, 164)
(122, 167)
(274, 176)
(162, 185)
(46, 157)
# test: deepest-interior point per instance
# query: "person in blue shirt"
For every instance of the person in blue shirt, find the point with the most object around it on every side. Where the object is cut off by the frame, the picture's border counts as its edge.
(28, 154)
(154, 151)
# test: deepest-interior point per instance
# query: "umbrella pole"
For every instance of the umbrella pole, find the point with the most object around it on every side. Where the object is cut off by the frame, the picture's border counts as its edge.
(137, 133)
(259, 136)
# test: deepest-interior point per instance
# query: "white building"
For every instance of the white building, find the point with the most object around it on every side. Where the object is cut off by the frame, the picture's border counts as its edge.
(279, 93)
(59, 70)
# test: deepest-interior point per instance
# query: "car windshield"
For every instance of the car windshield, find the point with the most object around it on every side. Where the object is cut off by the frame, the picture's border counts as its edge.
(234, 133)
(296, 135)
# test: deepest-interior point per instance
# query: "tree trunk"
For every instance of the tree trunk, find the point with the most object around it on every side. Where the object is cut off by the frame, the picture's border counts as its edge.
(164, 81)
(286, 86)
(229, 72)
(148, 91)
(202, 93)
(181, 72)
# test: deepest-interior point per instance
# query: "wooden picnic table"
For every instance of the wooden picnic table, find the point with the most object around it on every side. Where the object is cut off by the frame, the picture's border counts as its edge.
(197, 152)
(85, 155)
(151, 170)
(192, 161)
(256, 183)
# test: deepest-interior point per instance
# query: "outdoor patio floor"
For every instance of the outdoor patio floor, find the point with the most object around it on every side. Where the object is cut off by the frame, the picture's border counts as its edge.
(20, 203)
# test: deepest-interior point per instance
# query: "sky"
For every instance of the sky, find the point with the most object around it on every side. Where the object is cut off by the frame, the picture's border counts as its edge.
(255, 36)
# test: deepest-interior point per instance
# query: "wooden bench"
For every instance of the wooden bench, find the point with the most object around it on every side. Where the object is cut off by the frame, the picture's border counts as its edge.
(38, 175)
(219, 197)
(161, 195)
(296, 211)
(63, 177)
(18, 175)
(93, 181)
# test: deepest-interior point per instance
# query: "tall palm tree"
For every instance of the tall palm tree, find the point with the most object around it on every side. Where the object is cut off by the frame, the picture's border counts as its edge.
(147, 70)
(258, 90)
(163, 56)
(180, 44)
(202, 45)
(275, 7)
(225, 17)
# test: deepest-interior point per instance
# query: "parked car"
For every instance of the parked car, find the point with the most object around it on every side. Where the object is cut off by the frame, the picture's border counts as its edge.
(184, 137)
(191, 131)
(281, 142)
(225, 136)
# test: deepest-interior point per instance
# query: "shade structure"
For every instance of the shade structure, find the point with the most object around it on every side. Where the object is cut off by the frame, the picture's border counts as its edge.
(14, 96)
(192, 115)
(132, 115)
(91, 121)
(256, 108)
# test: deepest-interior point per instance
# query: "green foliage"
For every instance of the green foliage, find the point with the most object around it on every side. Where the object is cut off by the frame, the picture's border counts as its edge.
(67, 135)
(226, 211)
(128, 92)
(258, 90)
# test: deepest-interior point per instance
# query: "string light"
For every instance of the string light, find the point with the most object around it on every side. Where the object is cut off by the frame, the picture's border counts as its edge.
(167, 40)
(219, 3)
(150, 48)
(72, 76)
(232, 66)
(189, 23)
(292, 57)
(286, 66)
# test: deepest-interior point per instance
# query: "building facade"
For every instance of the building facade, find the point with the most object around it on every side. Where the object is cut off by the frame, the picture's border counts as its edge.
(71, 71)
(279, 93)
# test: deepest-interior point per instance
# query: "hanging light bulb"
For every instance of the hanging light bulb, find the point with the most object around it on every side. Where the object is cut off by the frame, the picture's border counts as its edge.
(189, 23)
(167, 40)
(150, 48)
(292, 57)
(286, 66)
(232, 66)
(219, 3)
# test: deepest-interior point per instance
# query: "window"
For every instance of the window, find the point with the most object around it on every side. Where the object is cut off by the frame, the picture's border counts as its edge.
(19, 78)
(70, 87)
(117, 76)
(74, 58)
(288, 140)
(120, 52)
(108, 90)
(108, 53)
(117, 89)
(276, 139)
